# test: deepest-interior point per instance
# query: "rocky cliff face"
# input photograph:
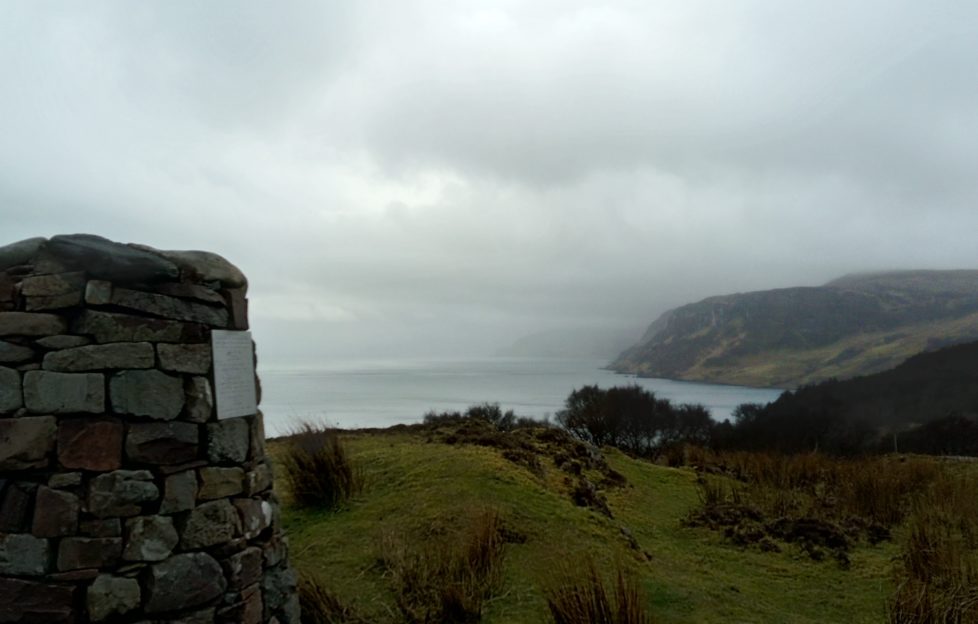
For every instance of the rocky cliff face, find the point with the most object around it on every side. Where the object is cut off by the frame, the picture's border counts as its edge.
(855, 325)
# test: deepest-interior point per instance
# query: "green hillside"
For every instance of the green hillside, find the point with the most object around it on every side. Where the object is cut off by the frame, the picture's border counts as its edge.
(855, 325)
(420, 488)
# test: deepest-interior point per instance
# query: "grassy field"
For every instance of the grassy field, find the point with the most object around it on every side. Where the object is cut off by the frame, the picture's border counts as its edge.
(419, 490)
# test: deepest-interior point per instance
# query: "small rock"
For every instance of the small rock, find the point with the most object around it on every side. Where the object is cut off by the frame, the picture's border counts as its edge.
(254, 517)
(162, 443)
(244, 568)
(112, 595)
(26, 443)
(30, 324)
(11, 394)
(279, 585)
(16, 501)
(228, 441)
(98, 292)
(99, 357)
(169, 307)
(55, 513)
(149, 538)
(101, 527)
(258, 480)
(51, 292)
(63, 341)
(63, 480)
(23, 555)
(108, 327)
(247, 610)
(185, 358)
(64, 393)
(11, 353)
(30, 602)
(90, 444)
(220, 482)
(120, 493)
(208, 525)
(180, 492)
(182, 582)
(147, 393)
(75, 553)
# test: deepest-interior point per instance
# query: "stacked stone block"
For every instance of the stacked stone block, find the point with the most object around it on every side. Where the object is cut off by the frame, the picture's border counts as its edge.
(123, 498)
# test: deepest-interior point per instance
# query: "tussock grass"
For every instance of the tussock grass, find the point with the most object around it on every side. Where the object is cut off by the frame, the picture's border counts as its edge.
(321, 606)
(582, 597)
(317, 468)
(937, 577)
(446, 580)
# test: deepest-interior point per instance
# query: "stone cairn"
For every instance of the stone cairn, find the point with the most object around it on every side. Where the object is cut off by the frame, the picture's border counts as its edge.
(123, 498)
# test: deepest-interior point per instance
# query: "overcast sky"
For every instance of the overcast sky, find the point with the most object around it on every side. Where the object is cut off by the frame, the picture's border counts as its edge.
(411, 177)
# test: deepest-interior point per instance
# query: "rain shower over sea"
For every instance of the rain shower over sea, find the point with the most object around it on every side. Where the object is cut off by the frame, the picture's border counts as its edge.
(382, 393)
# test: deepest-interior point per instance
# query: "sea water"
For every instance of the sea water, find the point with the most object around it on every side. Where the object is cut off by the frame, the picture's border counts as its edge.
(381, 393)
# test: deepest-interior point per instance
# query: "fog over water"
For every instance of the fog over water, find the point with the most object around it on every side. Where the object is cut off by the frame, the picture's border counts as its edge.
(424, 178)
(381, 393)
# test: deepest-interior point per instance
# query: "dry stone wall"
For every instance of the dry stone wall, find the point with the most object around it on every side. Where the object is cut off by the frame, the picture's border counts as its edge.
(123, 496)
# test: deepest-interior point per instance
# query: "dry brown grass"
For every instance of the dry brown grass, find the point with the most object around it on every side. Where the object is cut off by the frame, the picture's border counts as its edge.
(582, 597)
(317, 468)
(321, 606)
(446, 580)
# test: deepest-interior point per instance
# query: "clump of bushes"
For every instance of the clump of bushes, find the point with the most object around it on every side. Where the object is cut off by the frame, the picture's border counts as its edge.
(449, 579)
(318, 470)
(582, 597)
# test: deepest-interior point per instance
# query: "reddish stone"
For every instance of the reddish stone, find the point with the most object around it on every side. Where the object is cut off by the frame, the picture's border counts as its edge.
(88, 552)
(73, 576)
(55, 513)
(90, 444)
(247, 610)
(29, 602)
(244, 568)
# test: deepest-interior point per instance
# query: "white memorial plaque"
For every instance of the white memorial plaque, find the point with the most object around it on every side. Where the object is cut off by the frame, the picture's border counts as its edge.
(234, 373)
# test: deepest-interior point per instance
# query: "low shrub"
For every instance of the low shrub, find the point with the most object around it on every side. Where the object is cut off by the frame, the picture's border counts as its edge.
(582, 597)
(318, 470)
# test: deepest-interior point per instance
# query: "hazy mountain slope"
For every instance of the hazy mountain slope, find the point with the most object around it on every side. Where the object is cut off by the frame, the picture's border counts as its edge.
(855, 325)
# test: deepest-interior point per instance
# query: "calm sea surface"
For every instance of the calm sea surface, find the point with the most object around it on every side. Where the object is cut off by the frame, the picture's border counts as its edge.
(383, 393)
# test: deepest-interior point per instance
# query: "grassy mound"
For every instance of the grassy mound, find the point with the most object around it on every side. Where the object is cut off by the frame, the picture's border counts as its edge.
(426, 487)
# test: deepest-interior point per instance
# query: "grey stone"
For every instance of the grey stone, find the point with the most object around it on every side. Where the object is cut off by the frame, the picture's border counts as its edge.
(30, 602)
(258, 480)
(65, 480)
(11, 395)
(21, 252)
(149, 538)
(98, 357)
(108, 260)
(220, 482)
(112, 595)
(278, 584)
(11, 353)
(98, 292)
(228, 441)
(258, 436)
(64, 393)
(55, 513)
(208, 525)
(275, 550)
(244, 568)
(64, 341)
(170, 307)
(256, 516)
(247, 608)
(191, 358)
(80, 553)
(26, 443)
(179, 492)
(162, 443)
(101, 527)
(200, 400)
(185, 290)
(182, 582)
(30, 324)
(121, 492)
(109, 327)
(147, 393)
(204, 266)
(238, 305)
(51, 292)
(23, 555)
